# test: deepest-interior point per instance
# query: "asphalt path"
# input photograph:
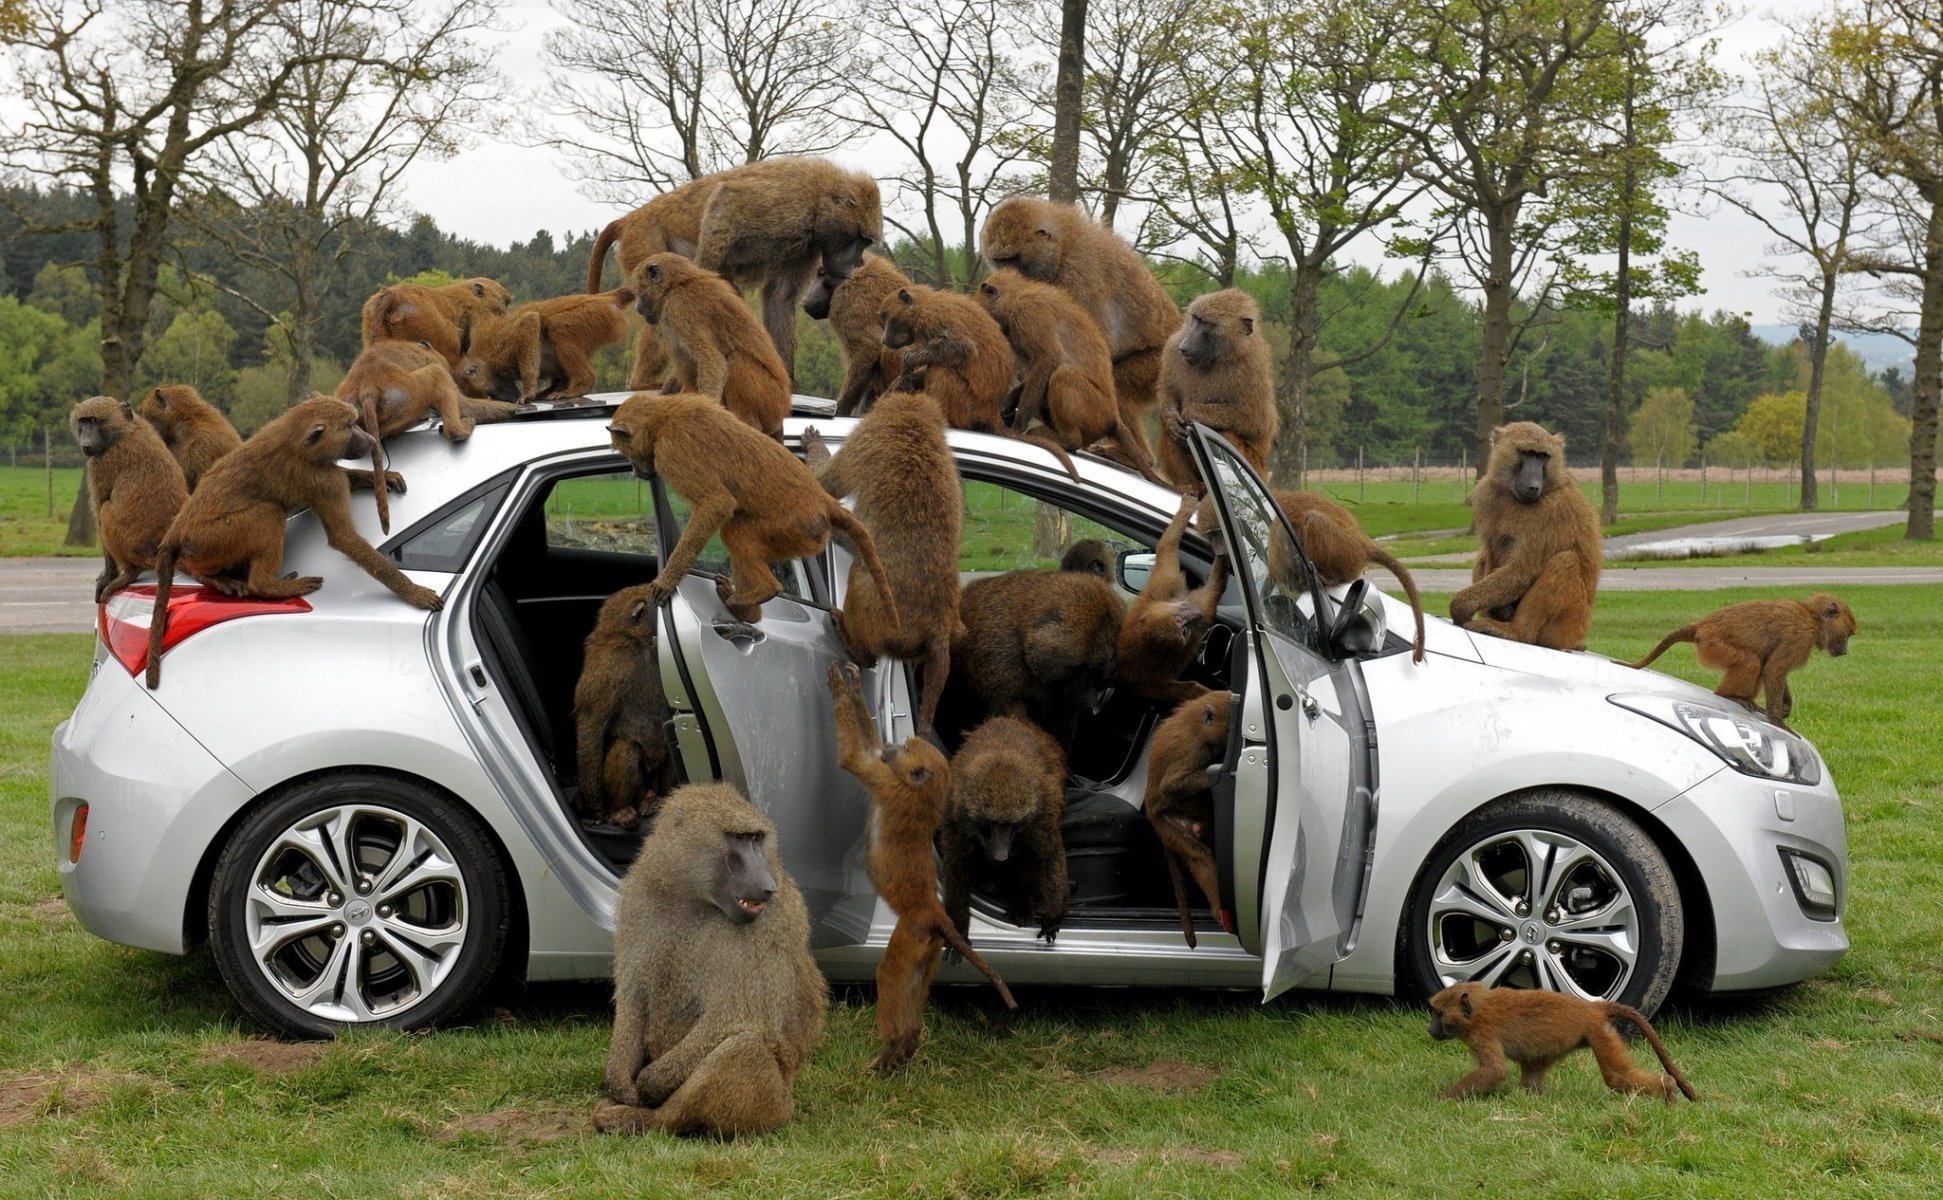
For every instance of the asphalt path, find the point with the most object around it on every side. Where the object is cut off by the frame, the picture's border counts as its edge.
(52, 595)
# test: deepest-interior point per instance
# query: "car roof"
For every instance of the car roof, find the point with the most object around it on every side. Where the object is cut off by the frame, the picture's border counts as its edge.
(437, 472)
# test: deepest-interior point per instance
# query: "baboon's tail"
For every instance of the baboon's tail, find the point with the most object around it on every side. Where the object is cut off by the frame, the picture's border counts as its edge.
(860, 539)
(1133, 454)
(158, 621)
(1686, 633)
(957, 942)
(1625, 1012)
(1389, 563)
(1047, 444)
(601, 244)
(368, 407)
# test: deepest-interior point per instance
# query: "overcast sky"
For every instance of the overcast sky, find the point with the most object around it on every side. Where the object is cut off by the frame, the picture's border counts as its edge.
(499, 192)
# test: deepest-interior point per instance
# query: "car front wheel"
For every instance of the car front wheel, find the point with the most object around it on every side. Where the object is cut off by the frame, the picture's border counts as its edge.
(1546, 889)
(357, 900)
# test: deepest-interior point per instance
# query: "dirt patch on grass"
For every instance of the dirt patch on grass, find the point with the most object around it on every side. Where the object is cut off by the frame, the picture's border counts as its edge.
(27, 1097)
(517, 1125)
(1163, 1076)
(1179, 1154)
(263, 1056)
(51, 910)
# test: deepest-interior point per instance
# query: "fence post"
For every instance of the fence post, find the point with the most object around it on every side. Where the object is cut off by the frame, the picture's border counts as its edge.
(1703, 481)
(1872, 482)
(47, 453)
(1359, 474)
(1463, 470)
(1417, 476)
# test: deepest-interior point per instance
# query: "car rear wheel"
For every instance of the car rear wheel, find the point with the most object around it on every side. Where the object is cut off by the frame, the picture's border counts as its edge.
(357, 900)
(1546, 889)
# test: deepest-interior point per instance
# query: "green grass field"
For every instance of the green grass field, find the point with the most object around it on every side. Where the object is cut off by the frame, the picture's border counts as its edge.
(25, 526)
(125, 1073)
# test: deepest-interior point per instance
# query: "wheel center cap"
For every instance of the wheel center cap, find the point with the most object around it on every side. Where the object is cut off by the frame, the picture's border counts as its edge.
(357, 912)
(1533, 933)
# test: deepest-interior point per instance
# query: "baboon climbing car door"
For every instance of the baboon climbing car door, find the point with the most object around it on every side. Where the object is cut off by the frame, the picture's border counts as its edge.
(1303, 809)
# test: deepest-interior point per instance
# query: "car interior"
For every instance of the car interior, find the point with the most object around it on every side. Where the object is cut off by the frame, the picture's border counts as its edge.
(587, 535)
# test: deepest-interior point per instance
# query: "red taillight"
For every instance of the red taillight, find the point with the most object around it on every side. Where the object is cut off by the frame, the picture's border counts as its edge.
(76, 832)
(125, 617)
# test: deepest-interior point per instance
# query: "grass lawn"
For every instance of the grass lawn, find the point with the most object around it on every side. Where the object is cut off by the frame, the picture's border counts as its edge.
(25, 527)
(129, 1073)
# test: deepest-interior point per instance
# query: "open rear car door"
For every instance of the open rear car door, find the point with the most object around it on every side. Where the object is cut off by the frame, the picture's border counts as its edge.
(1299, 799)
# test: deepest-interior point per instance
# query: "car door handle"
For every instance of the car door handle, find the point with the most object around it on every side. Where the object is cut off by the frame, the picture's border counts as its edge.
(740, 634)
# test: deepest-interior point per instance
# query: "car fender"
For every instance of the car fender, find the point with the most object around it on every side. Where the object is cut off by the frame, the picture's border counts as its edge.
(1460, 735)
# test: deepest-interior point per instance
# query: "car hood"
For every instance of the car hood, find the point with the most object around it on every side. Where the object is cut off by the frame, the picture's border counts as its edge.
(1583, 668)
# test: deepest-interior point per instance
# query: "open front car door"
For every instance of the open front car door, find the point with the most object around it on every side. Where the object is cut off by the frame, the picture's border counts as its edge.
(1299, 800)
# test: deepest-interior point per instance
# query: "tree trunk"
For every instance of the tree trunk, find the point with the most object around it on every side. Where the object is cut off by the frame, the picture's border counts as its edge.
(1929, 380)
(1292, 399)
(1622, 319)
(1497, 335)
(1817, 365)
(1063, 186)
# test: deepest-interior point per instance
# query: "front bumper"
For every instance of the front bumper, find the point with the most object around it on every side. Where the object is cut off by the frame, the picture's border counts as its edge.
(1735, 827)
(156, 802)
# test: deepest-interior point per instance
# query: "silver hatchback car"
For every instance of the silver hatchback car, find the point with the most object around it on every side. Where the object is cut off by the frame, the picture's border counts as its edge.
(365, 809)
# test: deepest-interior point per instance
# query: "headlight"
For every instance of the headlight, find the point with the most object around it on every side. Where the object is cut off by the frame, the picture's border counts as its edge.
(1750, 746)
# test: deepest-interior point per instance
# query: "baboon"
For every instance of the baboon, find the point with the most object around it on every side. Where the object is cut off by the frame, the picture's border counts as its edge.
(1536, 1028)
(229, 534)
(194, 430)
(952, 349)
(136, 488)
(1215, 370)
(1757, 642)
(441, 317)
(1539, 550)
(395, 385)
(1338, 547)
(898, 466)
(508, 356)
(855, 309)
(1089, 556)
(907, 786)
(619, 715)
(1065, 370)
(1163, 630)
(717, 1002)
(1061, 245)
(1008, 791)
(765, 504)
(1037, 644)
(1179, 803)
(715, 346)
(765, 224)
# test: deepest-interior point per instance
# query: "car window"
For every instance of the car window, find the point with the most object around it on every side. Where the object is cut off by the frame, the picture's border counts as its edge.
(613, 512)
(1263, 552)
(1006, 530)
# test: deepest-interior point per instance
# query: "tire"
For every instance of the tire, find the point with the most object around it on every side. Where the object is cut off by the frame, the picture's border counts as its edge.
(1606, 893)
(308, 954)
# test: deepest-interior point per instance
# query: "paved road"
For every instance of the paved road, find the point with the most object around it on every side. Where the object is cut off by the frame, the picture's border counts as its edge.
(47, 595)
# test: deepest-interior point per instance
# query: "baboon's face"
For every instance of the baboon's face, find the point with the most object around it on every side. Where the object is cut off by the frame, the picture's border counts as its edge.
(481, 379)
(743, 881)
(99, 423)
(1451, 1011)
(816, 301)
(651, 283)
(631, 440)
(1019, 235)
(1210, 335)
(900, 326)
(1838, 626)
(848, 222)
(331, 431)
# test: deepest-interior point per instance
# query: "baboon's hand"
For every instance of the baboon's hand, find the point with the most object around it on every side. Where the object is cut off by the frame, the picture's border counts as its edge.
(1049, 931)
(307, 584)
(815, 452)
(1173, 424)
(394, 482)
(425, 598)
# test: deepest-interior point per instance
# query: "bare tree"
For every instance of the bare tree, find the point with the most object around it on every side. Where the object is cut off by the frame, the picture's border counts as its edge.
(1193, 191)
(1512, 92)
(1068, 102)
(944, 80)
(1792, 167)
(1324, 132)
(1890, 55)
(658, 94)
(387, 82)
(123, 108)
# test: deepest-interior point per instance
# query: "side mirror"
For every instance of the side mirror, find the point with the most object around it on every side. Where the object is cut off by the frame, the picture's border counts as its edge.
(1133, 568)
